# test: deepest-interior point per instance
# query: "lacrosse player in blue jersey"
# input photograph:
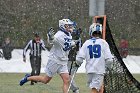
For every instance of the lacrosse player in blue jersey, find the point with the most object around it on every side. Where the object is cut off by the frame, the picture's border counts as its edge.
(96, 53)
(58, 57)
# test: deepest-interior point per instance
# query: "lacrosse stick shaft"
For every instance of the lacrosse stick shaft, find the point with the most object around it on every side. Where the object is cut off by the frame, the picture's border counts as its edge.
(71, 68)
(72, 79)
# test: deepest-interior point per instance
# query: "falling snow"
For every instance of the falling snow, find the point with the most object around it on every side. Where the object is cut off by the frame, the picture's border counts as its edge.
(20, 18)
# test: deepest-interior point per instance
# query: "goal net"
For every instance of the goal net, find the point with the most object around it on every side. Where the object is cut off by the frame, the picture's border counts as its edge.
(118, 79)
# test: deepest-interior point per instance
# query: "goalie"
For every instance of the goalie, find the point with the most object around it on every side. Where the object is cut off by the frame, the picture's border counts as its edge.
(96, 52)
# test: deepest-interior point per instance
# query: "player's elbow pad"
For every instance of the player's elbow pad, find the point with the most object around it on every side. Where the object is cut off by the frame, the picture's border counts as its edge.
(79, 61)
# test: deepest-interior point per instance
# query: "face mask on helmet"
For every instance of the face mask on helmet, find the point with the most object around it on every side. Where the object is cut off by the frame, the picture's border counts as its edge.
(95, 27)
(66, 25)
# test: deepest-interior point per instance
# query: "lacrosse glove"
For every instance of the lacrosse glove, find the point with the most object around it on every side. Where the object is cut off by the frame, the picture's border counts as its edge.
(50, 34)
(76, 65)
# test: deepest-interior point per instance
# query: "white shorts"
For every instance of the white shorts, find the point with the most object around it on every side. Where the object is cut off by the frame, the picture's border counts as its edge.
(52, 68)
(95, 80)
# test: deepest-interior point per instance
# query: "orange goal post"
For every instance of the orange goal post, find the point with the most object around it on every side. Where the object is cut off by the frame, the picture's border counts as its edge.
(101, 20)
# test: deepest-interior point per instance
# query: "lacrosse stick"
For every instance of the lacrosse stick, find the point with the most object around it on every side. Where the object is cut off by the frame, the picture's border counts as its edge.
(71, 68)
(72, 79)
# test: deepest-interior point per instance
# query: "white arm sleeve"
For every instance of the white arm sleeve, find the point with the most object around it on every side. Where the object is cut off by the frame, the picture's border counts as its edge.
(108, 56)
(49, 40)
(81, 55)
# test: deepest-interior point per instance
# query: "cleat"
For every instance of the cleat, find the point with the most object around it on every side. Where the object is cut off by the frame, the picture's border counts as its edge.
(76, 91)
(24, 80)
(32, 83)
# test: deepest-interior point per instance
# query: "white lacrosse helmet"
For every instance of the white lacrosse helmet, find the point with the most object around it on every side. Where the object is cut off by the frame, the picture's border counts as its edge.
(63, 22)
(95, 27)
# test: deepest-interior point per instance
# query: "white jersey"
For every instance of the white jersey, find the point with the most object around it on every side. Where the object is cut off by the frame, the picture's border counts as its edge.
(61, 45)
(95, 51)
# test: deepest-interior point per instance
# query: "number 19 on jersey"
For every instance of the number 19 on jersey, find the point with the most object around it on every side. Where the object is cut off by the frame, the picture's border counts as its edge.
(94, 51)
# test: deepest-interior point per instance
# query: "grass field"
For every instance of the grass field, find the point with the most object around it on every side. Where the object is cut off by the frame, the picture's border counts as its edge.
(9, 83)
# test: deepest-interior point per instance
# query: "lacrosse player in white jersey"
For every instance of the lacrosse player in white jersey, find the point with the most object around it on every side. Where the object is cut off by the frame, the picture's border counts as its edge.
(58, 57)
(96, 53)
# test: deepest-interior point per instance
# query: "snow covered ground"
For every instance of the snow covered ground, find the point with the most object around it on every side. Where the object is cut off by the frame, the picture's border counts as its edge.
(16, 64)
